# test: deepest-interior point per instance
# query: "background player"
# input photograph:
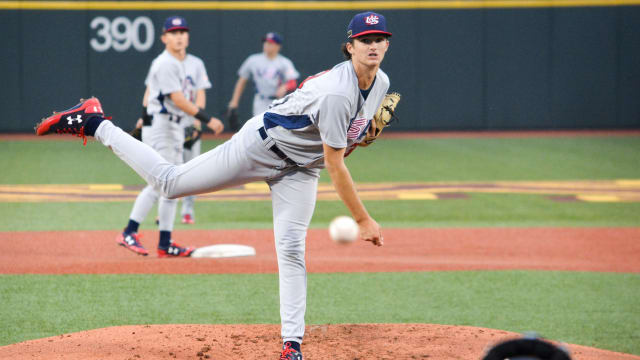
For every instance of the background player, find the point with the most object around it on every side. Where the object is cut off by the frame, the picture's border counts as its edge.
(273, 75)
(176, 86)
(314, 127)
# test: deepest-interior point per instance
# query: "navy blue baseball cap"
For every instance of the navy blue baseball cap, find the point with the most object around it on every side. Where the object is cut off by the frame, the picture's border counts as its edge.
(174, 23)
(367, 23)
(272, 37)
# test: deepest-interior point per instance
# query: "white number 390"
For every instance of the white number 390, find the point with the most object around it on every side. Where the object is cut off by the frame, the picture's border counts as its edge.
(121, 33)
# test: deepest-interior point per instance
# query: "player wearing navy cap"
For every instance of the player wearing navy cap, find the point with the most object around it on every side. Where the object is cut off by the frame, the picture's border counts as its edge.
(273, 75)
(176, 85)
(314, 127)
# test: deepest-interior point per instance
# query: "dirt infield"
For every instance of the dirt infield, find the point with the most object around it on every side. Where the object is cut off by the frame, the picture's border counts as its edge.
(571, 249)
(226, 342)
(95, 252)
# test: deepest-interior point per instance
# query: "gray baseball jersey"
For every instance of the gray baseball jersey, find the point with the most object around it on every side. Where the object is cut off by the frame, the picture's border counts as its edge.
(327, 108)
(268, 75)
(168, 75)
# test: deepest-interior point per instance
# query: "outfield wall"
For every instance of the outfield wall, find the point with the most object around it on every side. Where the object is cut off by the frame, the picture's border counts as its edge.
(480, 68)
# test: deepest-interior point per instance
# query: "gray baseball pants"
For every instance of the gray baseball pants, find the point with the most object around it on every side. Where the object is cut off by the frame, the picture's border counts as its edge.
(242, 159)
(166, 137)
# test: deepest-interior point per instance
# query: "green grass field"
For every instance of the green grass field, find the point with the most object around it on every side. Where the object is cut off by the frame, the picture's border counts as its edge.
(594, 309)
(481, 159)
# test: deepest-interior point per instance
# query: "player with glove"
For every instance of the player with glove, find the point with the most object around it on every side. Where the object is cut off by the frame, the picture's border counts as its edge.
(176, 85)
(314, 127)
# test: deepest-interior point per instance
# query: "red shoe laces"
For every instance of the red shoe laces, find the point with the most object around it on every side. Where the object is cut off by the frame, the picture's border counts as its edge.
(76, 133)
(286, 351)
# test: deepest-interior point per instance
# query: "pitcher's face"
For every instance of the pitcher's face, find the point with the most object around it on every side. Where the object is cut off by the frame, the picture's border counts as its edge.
(368, 50)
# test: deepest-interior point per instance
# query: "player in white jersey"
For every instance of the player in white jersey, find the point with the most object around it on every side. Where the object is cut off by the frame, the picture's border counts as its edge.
(314, 127)
(173, 72)
(273, 75)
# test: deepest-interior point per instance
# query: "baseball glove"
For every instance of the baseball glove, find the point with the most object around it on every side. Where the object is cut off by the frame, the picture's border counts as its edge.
(136, 133)
(232, 118)
(383, 117)
(191, 135)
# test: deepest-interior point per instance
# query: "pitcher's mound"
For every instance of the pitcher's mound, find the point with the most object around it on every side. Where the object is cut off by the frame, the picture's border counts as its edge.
(343, 341)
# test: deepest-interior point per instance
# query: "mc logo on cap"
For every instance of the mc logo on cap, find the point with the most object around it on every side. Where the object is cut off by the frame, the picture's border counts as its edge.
(367, 23)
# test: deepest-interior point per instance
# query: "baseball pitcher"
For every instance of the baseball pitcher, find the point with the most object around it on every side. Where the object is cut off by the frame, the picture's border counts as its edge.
(312, 128)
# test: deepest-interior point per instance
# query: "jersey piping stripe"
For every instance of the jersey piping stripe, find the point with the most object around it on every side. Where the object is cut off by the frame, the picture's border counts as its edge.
(286, 121)
(311, 77)
(161, 99)
(306, 5)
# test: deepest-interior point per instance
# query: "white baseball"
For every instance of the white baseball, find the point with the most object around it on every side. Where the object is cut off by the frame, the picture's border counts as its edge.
(344, 230)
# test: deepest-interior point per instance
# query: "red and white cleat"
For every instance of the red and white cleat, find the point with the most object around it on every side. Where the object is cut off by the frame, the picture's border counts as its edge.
(71, 121)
